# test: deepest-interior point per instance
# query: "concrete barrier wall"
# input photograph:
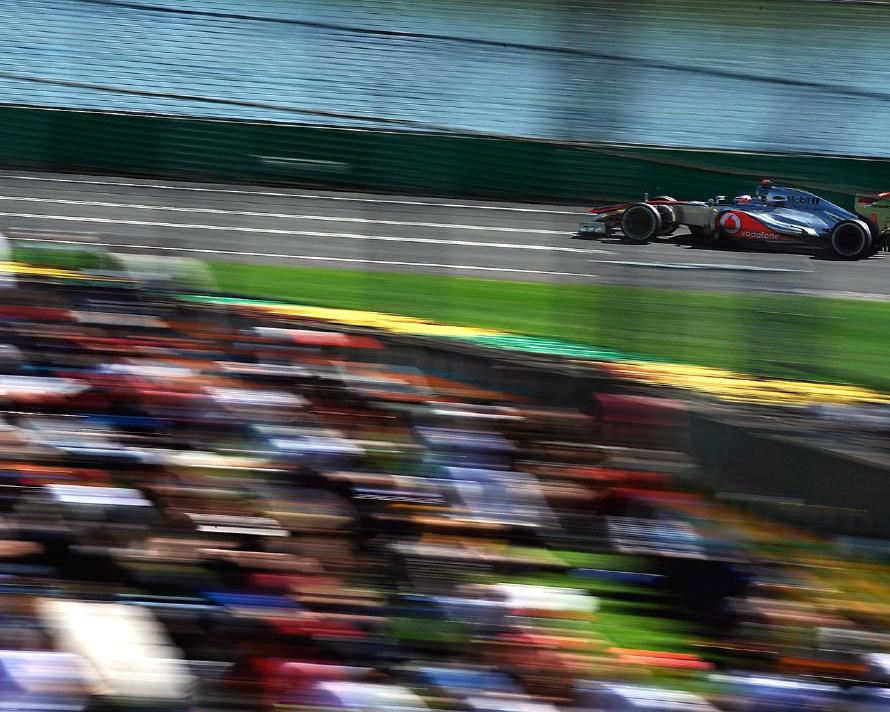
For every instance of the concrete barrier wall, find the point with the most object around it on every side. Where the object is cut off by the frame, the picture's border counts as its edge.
(160, 146)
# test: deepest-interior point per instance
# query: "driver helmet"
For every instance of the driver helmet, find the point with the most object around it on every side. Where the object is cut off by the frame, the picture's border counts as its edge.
(743, 200)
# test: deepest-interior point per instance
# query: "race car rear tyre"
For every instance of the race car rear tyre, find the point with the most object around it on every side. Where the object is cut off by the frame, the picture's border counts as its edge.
(851, 240)
(641, 222)
(878, 240)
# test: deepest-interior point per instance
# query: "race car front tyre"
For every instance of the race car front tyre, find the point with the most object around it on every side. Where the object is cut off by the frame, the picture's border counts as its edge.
(641, 222)
(851, 240)
(669, 222)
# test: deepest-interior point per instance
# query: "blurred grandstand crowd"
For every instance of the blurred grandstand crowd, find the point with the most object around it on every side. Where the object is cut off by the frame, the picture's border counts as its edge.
(209, 509)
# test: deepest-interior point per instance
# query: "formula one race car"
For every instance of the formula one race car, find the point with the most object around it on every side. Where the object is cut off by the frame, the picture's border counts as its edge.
(774, 215)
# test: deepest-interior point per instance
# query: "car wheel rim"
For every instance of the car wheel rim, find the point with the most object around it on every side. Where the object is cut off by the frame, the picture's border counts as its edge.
(640, 223)
(849, 240)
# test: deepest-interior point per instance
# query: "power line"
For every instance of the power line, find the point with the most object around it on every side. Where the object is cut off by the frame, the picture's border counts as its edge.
(640, 62)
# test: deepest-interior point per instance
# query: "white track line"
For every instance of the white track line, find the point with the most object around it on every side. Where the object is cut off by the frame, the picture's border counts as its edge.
(307, 233)
(299, 196)
(702, 266)
(283, 216)
(313, 258)
(859, 296)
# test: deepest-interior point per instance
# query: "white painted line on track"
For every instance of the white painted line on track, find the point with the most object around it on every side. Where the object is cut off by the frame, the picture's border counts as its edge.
(859, 296)
(307, 233)
(700, 266)
(313, 258)
(283, 216)
(298, 196)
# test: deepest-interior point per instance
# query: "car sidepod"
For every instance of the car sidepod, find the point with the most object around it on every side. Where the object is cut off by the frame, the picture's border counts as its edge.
(736, 223)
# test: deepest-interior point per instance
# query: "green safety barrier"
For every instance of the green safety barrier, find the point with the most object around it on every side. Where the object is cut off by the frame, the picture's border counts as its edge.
(555, 347)
(236, 151)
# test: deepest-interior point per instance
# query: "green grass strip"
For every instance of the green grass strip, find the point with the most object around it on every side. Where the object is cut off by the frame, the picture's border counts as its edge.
(822, 339)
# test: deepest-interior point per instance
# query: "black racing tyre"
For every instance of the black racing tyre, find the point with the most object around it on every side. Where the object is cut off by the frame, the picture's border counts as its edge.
(878, 241)
(641, 222)
(668, 217)
(663, 197)
(850, 240)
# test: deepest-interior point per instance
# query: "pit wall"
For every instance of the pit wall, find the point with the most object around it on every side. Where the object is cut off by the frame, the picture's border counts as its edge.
(386, 161)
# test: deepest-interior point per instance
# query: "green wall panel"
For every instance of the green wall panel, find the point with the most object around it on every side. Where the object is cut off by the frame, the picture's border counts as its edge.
(402, 162)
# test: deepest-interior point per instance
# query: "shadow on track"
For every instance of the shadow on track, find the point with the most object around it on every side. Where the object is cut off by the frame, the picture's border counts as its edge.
(681, 241)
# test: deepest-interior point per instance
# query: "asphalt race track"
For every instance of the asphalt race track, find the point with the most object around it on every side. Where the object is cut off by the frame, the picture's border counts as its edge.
(397, 233)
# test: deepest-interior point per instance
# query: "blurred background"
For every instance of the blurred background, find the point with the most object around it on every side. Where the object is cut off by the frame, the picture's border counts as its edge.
(311, 397)
(792, 75)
